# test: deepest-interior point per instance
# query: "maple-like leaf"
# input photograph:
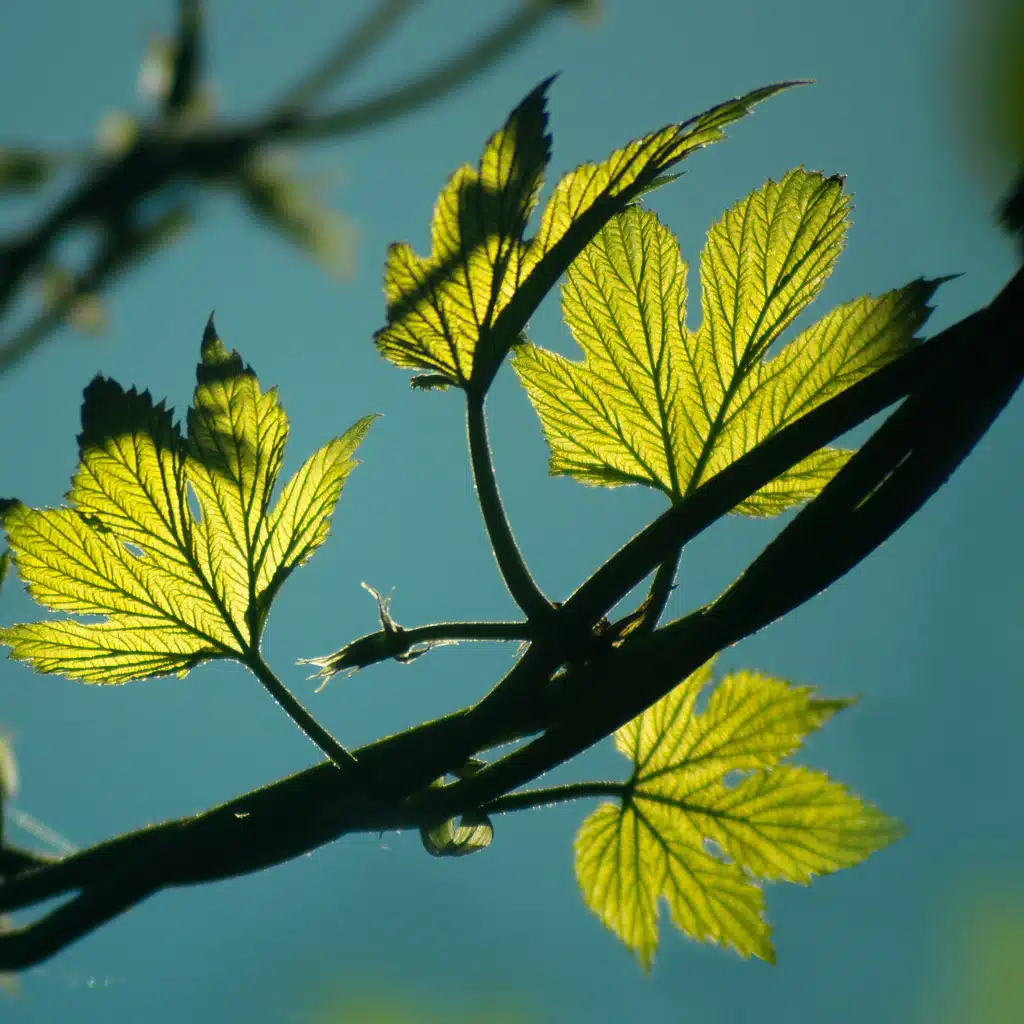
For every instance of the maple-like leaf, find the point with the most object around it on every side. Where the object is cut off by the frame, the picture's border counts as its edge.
(656, 403)
(457, 312)
(174, 586)
(684, 831)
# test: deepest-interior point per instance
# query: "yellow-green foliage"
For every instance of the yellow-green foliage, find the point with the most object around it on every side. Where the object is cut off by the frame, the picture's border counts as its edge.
(684, 831)
(173, 588)
(658, 404)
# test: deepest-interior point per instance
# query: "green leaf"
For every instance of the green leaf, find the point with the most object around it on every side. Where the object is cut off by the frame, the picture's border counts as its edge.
(685, 832)
(173, 586)
(457, 312)
(5, 565)
(472, 834)
(658, 404)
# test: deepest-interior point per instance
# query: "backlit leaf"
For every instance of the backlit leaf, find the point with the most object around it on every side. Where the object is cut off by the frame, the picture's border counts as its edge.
(457, 312)
(472, 834)
(684, 831)
(656, 403)
(172, 539)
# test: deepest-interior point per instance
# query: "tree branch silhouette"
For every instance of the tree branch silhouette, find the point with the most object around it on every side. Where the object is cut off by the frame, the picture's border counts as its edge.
(951, 389)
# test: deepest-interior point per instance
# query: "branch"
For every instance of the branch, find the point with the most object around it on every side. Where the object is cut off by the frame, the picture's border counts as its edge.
(961, 379)
(892, 476)
(172, 150)
(450, 74)
(401, 644)
(724, 491)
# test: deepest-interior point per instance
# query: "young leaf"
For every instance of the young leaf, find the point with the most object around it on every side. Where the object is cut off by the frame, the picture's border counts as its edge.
(457, 312)
(473, 834)
(683, 832)
(658, 404)
(174, 587)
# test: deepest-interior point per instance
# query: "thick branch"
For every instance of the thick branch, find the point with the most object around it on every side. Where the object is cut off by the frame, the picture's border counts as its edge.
(959, 380)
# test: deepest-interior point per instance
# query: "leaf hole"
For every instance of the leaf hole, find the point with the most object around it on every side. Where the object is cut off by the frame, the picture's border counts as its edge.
(716, 851)
(193, 502)
(133, 549)
(732, 778)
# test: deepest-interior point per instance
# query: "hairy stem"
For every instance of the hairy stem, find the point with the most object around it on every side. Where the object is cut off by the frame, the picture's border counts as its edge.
(520, 583)
(300, 716)
(661, 587)
(553, 795)
(438, 631)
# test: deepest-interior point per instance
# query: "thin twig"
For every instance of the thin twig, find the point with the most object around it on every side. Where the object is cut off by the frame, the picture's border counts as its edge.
(514, 572)
(346, 55)
(301, 717)
(450, 74)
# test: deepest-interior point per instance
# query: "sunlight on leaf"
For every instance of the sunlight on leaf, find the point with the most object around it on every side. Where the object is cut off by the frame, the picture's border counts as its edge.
(474, 833)
(439, 307)
(683, 832)
(456, 313)
(658, 404)
(174, 588)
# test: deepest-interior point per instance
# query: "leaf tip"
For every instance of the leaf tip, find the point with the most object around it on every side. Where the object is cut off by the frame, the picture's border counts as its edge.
(216, 362)
(8, 505)
(212, 350)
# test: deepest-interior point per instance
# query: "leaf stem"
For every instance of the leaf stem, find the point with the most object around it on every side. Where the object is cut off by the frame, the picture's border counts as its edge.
(516, 575)
(401, 644)
(553, 795)
(661, 587)
(300, 716)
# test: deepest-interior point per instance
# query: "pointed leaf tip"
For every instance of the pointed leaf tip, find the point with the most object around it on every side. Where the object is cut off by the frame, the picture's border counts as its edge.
(212, 350)
(6, 506)
(216, 361)
(172, 540)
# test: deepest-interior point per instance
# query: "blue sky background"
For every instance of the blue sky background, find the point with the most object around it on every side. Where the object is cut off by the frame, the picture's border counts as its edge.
(924, 630)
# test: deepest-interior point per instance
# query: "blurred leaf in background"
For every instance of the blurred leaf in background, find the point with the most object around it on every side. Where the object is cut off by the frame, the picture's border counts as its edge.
(986, 69)
(978, 976)
(369, 1008)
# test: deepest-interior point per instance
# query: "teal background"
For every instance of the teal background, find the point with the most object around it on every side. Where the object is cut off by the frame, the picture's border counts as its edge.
(926, 630)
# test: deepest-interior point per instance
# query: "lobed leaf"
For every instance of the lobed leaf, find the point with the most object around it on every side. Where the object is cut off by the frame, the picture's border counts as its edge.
(173, 586)
(456, 313)
(658, 404)
(682, 831)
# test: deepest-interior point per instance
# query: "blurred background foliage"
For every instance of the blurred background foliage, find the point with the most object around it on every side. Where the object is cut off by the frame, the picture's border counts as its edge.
(139, 185)
(75, 219)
